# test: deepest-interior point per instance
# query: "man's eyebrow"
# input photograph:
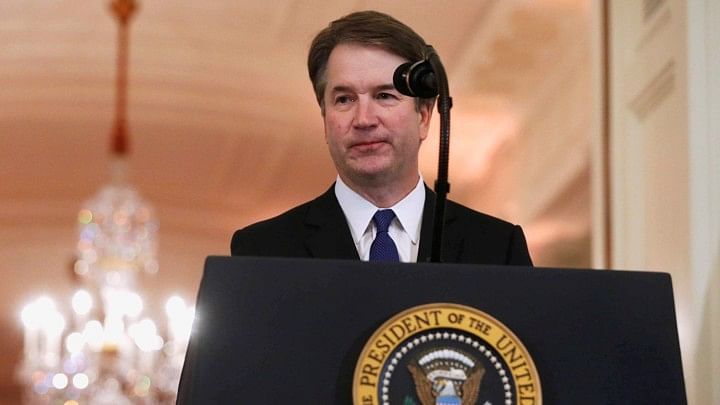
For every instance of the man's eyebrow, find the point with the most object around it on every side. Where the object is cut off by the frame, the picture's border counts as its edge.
(384, 87)
(341, 89)
(346, 89)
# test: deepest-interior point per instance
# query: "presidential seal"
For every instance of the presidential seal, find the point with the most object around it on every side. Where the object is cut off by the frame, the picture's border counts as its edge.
(445, 354)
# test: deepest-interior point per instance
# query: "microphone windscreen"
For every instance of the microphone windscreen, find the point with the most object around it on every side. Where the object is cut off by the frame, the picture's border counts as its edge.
(416, 79)
(400, 79)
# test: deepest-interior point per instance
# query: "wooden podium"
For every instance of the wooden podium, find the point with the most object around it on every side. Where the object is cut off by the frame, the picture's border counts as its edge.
(291, 330)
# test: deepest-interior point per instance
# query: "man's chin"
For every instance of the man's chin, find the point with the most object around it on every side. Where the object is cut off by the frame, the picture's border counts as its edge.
(370, 178)
(372, 170)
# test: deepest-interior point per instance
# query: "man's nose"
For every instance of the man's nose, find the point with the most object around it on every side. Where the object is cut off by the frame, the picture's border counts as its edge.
(365, 114)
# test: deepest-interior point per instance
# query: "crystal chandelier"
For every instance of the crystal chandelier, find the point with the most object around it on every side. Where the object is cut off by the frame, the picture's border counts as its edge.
(107, 352)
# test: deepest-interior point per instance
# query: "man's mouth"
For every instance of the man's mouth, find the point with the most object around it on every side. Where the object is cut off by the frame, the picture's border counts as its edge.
(368, 145)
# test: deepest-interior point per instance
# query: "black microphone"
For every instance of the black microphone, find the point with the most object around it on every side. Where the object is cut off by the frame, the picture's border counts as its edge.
(416, 79)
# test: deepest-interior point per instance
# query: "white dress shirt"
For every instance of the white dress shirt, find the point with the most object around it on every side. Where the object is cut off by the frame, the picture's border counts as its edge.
(404, 228)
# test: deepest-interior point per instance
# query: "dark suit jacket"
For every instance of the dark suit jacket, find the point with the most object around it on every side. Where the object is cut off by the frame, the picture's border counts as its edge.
(319, 229)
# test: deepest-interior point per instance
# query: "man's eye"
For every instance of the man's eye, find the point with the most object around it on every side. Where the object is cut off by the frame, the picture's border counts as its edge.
(386, 96)
(343, 99)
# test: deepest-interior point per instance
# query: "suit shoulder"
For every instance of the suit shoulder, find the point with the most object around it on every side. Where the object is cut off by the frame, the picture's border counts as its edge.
(274, 236)
(488, 239)
(476, 217)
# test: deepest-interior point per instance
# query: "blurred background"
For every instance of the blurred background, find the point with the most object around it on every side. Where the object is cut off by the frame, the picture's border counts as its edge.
(593, 124)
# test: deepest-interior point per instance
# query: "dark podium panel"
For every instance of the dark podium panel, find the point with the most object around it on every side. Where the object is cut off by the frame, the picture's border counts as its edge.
(291, 330)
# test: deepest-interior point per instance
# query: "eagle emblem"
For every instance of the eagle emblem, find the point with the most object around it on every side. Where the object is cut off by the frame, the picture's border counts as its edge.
(446, 376)
(445, 354)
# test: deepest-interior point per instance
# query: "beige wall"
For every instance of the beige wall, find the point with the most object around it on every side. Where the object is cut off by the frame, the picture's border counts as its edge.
(664, 173)
(704, 129)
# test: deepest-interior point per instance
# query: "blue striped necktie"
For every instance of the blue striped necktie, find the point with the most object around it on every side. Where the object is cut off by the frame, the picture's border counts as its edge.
(383, 248)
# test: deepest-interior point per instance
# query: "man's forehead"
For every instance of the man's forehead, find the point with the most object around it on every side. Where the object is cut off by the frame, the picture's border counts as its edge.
(344, 88)
(362, 56)
(360, 46)
(353, 65)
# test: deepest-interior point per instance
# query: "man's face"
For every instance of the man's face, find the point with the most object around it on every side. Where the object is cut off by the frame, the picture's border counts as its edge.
(373, 132)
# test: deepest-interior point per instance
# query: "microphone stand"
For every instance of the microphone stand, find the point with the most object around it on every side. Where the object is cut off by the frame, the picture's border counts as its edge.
(442, 187)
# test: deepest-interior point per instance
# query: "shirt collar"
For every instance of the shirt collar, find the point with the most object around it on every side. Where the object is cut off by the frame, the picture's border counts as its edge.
(359, 211)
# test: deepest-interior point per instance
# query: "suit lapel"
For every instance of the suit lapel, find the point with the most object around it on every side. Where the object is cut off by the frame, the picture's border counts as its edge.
(452, 237)
(327, 233)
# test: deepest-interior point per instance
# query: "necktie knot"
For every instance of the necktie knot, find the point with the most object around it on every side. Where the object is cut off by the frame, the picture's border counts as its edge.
(383, 248)
(382, 219)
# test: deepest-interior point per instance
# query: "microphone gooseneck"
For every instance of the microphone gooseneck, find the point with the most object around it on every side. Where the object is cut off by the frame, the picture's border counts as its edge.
(426, 79)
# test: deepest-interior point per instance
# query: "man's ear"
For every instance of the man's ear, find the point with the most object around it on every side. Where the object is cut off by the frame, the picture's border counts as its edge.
(424, 115)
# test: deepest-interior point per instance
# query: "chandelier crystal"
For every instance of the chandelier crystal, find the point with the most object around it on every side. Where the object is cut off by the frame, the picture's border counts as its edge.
(118, 235)
(106, 351)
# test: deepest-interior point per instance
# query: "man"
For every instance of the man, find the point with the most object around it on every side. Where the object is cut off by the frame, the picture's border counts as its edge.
(379, 207)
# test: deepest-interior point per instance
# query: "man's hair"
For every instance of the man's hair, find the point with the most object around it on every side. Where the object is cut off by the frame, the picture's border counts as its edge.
(369, 28)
